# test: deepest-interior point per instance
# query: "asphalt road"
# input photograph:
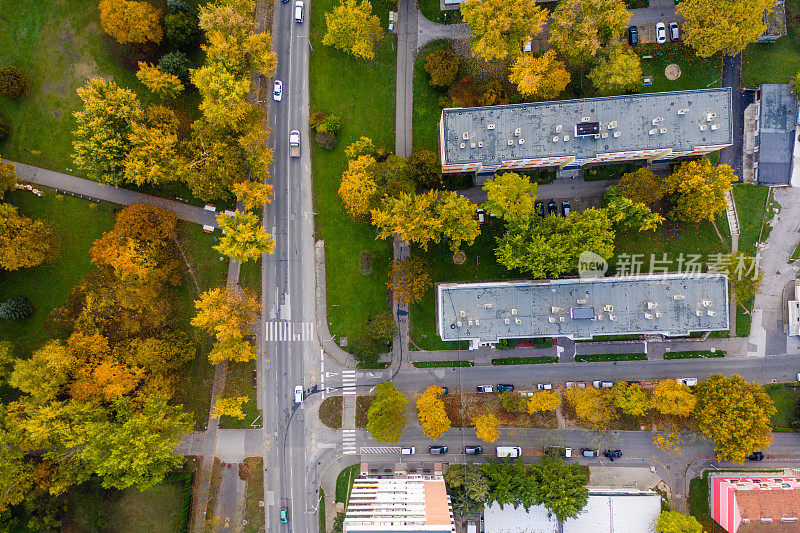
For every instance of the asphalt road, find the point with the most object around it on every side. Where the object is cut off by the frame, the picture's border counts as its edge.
(288, 297)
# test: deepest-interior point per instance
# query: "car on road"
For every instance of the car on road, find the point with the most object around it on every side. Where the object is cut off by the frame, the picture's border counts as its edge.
(689, 382)
(632, 383)
(588, 452)
(613, 454)
(539, 205)
(661, 33)
(797, 377)
(277, 90)
(552, 207)
(445, 390)
(481, 215)
(545, 386)
(298, 11)
(566, 209)
(755, 456)
(502, 387)
(633, 35)
(437, 450)
(411, 450)
(602, 384)
(485, 388)
(674, 32)
(298, 394)
(284, 515)
(580, 384)
(569, 384)
(473, 450)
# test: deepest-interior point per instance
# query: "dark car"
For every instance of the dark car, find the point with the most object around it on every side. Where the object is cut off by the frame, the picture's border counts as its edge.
(437, 450)
(566, 209)
(552, 208)
(613, 454)
(755, 456)
(633, 35)
(674, 33)
(473, 450)
(632, 383)
(502, 387)
(445, 390)
(539, 205)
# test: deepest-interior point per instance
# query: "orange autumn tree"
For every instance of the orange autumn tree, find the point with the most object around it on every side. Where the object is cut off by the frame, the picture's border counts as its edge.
(129, 21)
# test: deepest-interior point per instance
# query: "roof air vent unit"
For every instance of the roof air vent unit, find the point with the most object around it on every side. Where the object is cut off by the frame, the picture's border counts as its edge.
(648, 316)
(462, 314)
(617, 134)
(462, 145)
(699, 313)
(517, 132)
(651, 305)
(558, 128)
(655, 121)
(604, 135)
(714, 127)
(682, 111)
(490, 126)
(458, 323)
(706, 303)
(566, 138)
(472, 145)
(469, 322)
(678, 297)
(662, 131)
(510, 142)
(659, 315)
(703, 127)
(517, 321)
(596, 135)
(608, 308)
(613, 318)
(562, 319)
(477, 322)
(506, 320)
(522, 141)
(586, 119)
(513, 311)
(465, 136)
(555, 139)
(653, 131)
(712, 313)
(710, 116)
(612, 124)
(480, 144)
(551, 319)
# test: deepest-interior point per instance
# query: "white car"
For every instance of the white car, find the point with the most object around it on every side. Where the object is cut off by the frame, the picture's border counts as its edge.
(298, 394)
(689, 382)
(277, 90)
(661, 33)
(545, 386)
(298, 11)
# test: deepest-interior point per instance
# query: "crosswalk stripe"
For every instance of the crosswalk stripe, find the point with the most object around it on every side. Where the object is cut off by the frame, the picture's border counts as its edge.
(380, 449)
(286, 331)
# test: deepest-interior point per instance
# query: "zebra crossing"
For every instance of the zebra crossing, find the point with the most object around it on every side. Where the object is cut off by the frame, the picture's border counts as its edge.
(349, 382)
(285, 331)
(384, 450)
(349, 441)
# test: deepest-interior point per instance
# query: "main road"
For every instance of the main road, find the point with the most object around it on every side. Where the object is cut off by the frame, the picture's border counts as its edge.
(287, 337)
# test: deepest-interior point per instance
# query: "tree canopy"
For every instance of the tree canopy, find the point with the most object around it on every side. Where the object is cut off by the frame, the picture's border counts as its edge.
(580, 28)
(500, 28)
(510, 196)
(697, 190)
(409, 280)
(467, 486)
(631, 399)
(442, 67)
(130, 21)
(617, 71)
(244, 238)
(543, 77)
(629, 215)
(386, 417)
(487, 427)
(675, 522)
(431, 413)
(24, 242)
(352, 28)
(158, 82)
(726, 26)
(642, 186)
(672, 398)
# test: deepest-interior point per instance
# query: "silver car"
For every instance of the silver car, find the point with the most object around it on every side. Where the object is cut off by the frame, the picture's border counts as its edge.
(661, 33)
(277, 90)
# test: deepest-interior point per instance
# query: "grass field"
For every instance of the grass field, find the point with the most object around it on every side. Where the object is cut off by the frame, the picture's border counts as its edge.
(430, 8)
(344, 482)
(240, 382)
(696, 72)
(362, 93)
(750, 206)
(426, 101)
(785, 397)
(253, 513)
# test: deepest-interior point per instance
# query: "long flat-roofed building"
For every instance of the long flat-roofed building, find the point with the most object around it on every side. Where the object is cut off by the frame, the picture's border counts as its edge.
(572, 133)
(670, 304)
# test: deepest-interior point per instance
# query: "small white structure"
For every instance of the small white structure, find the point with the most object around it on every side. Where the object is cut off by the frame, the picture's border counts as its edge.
(794, 312)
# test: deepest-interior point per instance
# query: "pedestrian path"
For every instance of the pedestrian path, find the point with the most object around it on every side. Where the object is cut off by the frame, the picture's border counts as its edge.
(349, 382)
(349, 442)
(286, 331)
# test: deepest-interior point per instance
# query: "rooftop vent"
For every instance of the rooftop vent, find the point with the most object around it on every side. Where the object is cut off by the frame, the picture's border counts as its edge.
(490, 126)
(586, 119)
(714, 127)
(617, 134)
(465, 135)
(662, 131)
(648, 316)
(707, 303)
(604, 135)
(711, 313)
(480, 144)
(472, 145)
(513, 311)
(710, 116)
(462, 314)
(558, 128)
(555, 139)
(652, 305)
(487, 306)
(682, 111)
(469, 322)
(678, 297)
(458, 323)
(477, 322)
(596, 135)
(522, 141)
(608, 308)
(517, 321)
(659, 315)
(506, 320)
(510, 142)
(462, 145)
(562, 319)
(587, 128)
(656, 120)
(551, 319)
(517, 132)
(699, 313)
(581, 300)
(703, 127)
(653, 131)
(612, 124)
(566, 138)
(613, 318)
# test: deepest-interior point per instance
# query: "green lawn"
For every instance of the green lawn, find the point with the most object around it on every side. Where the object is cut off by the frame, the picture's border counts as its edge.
(785, 397)
(77, 223)
(696, 72)
(254, 513)
(751, 203)
(362, 93)
(344, 482)
(430, 8)
(239, 382)
(426, 101)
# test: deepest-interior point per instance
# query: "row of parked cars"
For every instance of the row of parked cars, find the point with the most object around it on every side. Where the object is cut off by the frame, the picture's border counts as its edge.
(661, 33)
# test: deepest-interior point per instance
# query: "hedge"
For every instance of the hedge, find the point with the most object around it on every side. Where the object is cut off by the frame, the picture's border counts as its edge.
(694, 354)
(524, 360)
(599, 357)
(434, 364)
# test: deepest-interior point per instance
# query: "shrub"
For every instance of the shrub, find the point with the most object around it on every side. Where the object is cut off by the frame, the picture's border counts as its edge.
(327, 140)
(5, 127)
(177, 64)
(179, 6)
(442, 67)
(182, 30)
(332, 124)
(13, 82)
(17, 308)
(377, 339)
(317, 119)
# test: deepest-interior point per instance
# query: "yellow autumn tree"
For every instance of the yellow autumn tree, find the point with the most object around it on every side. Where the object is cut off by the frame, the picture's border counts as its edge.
(244, 238)
(543, 77)
(253, 194)
(352, 28)
(618, 71)
(226, 313)
(581, 28)
(594, 406)
(431, 413)
(409, 280)
(726, 26)
(699, 190)
(487, 427)
(237, 351)
(153, 157)
(160, 83)
(130, 21)
(358, 187)
(230, 406)
(673, 398)
(543, 401)
(500, 28)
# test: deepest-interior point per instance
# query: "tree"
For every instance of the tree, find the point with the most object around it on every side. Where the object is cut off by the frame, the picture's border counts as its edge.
(501, 28)
(511, 196)
(631, 399)
(487, 427)
(376, 339)
(8, 177)
(642, 186)
(618, 71)
(352, 28)
(224, 92)
(410, 216)
(456, 216)
(675, 522)
(425, 169)
(24, 242)
(361, 146)
(698, 190)
(358, 188)
(592, 405)
(230, 406)
(244, 238)
(158, 82)
(580, 28)
(386, 416)
(226, 313)
(672, 398)
(153, 157)
(726, 26)
(253, 194)
(104, 126)
(629, 215)
(182, 30)
(431, 413)
(236, 350)
(129, 21)
(409, 280)
(217, 161)
(543, 77)
(13, 82)
(163, 354)
(550, 247)
(467, 486)
(735, 414)
(560, 487)
(744, 276)
(175, 63)
(442, 67)
(543, 401)
(16, 308)
(513, 402)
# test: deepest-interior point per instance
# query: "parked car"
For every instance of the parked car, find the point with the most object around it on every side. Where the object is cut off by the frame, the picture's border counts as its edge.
(689, 382)
(552, 208)
(633, 35)
(411, 450)
(674, 32)
(298, 394)
(481, 215)
(284, 515)
(631, 383)
(797, 377)
(298, 11)
(755, 456)
(588, 452)
(661, 33)
(613, 454)
(504, 387)
(437, 450)
(539, 205)
(570, 384)
(602, 384)
(581, 384)
(545, 386)
(445, 390)
(277, 90)
(485, 388)
(565, 208)
(473, 450)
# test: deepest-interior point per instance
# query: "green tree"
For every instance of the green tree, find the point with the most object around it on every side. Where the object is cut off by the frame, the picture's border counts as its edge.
(442, 67)
(467, 486)
(542, 77)
(392, 176)
(698, 190)
(13, 82)
(431, 413)
(411, 216)
(244, 238)
(376, 339)
(726, 26)
(352, 28)
(500, 28)
(175, 63)
(735, 414)
(456, 216)
(560, 487)
(8, 177)
(511, 196)
(580, 28)
(153, 157)
(16, 308)
(386, 417)
(629, 215)
(182, 30)
(512, 402)
(631, 399)
(675, 522)
(101, 140)
(24, 242)
(425, 169)
(642, 186)
(595, 406)
(744, 276)
(618, 71)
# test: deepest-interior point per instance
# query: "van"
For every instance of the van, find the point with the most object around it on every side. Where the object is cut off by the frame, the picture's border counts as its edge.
(298, 11)
(298, 394)
(408, 451)
(674, 32)
(602, 384)
(485, 388)
(509, 451)
(689, 382)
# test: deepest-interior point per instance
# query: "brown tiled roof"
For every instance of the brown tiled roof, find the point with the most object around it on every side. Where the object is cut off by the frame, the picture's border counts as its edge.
(775, 504)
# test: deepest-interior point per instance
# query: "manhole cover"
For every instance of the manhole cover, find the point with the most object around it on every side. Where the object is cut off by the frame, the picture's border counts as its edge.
(672, 72)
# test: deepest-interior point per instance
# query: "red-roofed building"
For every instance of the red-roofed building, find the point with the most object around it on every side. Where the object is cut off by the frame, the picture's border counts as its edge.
(751, 504)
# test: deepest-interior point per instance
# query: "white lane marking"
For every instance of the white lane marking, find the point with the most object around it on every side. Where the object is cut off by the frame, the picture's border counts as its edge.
(284, 331)
(380, 449)
(349, 441)
(348, 382)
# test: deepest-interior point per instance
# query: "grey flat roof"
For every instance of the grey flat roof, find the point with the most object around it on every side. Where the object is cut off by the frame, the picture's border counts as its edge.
(634, 114)
(777, 119)
(672, 304)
